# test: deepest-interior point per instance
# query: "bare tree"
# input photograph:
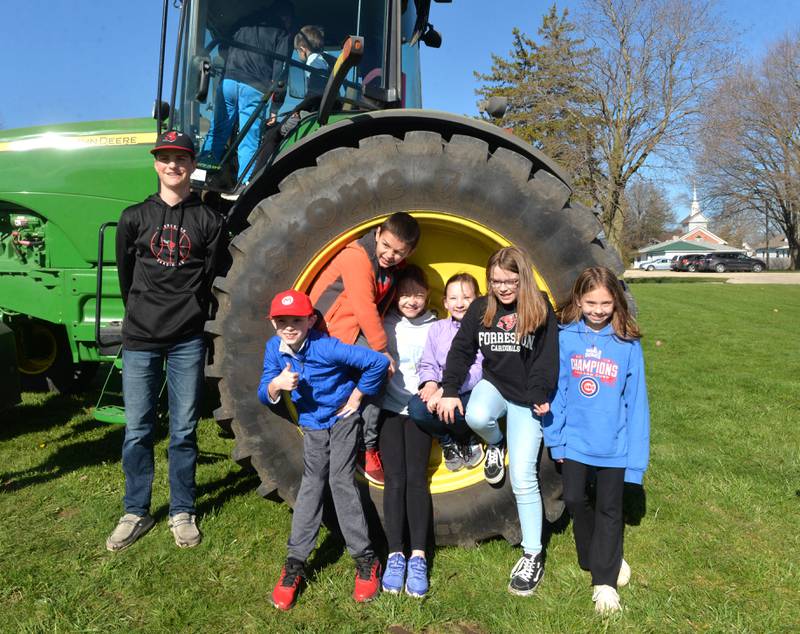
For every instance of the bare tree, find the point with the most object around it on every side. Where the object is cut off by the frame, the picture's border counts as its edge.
(655, 60)
(750, 158)
(647, 214)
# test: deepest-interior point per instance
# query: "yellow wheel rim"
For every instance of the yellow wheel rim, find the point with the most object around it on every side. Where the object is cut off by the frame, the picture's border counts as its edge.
(449, 244)
(36, 350)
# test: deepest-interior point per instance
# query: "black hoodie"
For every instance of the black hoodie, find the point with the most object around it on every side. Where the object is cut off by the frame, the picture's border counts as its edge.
(523, 372)
(166, 259)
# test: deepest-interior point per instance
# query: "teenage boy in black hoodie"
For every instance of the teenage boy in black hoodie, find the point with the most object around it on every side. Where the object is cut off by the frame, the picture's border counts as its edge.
(166, 255)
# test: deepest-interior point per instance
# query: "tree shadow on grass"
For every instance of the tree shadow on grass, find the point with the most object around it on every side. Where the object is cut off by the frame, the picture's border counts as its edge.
(32, 418)
(70, 456)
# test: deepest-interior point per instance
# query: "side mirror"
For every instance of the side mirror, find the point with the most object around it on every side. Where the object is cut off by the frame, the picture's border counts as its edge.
(431, 37)
(204, 68)
(495, 107)
(160, 113)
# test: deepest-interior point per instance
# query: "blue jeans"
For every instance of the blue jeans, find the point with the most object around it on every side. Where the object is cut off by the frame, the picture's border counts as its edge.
(486, 405)
(234, 98)
(142, 372)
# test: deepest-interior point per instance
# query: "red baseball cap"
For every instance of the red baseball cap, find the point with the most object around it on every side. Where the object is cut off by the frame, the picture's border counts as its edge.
(174, 140)
(291, 303)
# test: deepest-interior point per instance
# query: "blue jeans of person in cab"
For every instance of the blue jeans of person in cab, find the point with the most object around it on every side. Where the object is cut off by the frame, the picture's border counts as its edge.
(235, 98)
(142, 376)
(524, 438)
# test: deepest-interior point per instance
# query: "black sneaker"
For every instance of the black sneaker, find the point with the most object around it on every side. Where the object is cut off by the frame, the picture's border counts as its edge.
(494, 467)
(526, 575)
(453, 459)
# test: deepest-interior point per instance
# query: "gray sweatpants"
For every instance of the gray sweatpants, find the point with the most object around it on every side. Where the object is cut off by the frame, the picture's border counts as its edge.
(370, 408)
(329, 455)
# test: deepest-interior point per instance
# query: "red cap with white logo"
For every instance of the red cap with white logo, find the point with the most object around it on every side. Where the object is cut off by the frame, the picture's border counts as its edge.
(291, 303)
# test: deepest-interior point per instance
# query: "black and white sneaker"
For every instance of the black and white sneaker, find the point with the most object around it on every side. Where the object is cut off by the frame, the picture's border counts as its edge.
(471, 452)
(526, 575)
(452, 456)
(494, 467)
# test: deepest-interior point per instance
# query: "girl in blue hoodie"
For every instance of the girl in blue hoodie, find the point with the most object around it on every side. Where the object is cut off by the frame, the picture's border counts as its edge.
(599, 424)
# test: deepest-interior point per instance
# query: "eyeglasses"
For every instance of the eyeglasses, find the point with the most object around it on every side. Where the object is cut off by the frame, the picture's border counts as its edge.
(513, 283)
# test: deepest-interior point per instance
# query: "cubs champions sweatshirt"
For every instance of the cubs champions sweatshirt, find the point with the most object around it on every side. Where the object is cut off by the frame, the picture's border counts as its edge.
(600, 415)
(524, 372)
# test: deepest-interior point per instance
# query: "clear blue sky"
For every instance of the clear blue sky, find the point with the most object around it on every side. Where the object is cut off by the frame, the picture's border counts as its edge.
(84, 60)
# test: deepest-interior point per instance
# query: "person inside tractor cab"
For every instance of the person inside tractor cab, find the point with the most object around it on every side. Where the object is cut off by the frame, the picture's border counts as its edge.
(255, 61)
(304, 88)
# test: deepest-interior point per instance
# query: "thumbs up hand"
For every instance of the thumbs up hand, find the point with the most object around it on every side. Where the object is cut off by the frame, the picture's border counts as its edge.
(286, 380)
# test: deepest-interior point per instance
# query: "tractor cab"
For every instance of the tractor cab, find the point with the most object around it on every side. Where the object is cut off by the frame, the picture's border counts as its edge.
(247, 74)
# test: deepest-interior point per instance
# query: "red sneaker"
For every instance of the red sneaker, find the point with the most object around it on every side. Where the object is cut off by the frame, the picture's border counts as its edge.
(373, 467)
(286, 590)
(368, 578)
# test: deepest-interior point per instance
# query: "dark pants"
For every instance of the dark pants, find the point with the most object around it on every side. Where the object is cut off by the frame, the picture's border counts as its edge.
(435, 426)
(598, 531)
(405, 450)
(329, 455)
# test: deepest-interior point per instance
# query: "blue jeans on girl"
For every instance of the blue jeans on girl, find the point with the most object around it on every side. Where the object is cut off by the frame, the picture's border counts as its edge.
(524, 438)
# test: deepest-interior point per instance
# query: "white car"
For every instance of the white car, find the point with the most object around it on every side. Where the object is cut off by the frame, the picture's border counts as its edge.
(657, 264)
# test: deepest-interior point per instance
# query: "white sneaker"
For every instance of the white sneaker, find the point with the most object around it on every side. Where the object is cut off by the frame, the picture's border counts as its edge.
(184, 529)
(606, 600)
(624, 575)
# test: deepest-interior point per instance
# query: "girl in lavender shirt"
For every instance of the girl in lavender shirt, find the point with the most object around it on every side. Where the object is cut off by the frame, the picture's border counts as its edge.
(460, 447)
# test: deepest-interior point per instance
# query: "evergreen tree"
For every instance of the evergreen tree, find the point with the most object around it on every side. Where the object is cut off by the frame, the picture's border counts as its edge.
(545, 84)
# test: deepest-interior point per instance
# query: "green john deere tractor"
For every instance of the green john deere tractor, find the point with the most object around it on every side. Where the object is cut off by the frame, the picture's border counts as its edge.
(364, 150)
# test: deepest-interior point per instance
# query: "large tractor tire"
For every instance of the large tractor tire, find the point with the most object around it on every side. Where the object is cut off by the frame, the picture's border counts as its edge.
(469, 202)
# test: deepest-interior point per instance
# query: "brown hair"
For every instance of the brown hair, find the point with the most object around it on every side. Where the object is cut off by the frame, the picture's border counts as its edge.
(622, 321)
(412, 273)
(311, 37)
(404, 226)
(463, 278)
(531, 304)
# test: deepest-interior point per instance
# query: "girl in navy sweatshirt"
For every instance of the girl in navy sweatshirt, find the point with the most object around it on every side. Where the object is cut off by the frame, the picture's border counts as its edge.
(515, 329)
(600, 424)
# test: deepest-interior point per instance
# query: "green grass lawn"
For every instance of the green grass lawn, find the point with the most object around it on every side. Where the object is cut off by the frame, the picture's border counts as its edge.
(718, 549)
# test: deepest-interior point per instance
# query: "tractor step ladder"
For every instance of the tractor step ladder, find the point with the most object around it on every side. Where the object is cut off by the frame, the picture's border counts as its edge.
(110, 406)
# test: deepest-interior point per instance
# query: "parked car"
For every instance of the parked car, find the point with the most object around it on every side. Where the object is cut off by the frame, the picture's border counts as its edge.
(673, 262)
(731, 261)
(689, 262)
(656, 264)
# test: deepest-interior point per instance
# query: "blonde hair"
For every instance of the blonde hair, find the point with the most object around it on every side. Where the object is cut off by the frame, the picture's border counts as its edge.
(531, 304)
(622, 321)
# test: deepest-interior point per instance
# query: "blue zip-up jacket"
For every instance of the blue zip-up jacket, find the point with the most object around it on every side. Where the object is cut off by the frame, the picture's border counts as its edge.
(329, 371)
(600, 415)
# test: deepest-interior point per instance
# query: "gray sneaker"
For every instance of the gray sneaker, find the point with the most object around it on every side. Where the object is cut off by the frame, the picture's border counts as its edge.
(472, 452)
(452, 456)
(184, 529)
(129, 528)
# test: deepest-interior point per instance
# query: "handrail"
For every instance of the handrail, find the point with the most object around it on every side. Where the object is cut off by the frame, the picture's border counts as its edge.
(98, 297)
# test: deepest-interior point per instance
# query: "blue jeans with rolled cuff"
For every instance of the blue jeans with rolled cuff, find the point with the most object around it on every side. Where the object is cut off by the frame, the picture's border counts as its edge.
(142, 375)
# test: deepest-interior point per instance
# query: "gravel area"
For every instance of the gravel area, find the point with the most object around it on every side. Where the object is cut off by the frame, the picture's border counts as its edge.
(772, 277)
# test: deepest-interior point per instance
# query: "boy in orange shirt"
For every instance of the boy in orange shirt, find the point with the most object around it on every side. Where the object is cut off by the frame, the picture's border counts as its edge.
(353, 292)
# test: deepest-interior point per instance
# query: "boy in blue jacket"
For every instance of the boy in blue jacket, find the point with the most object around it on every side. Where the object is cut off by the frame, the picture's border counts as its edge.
(319, 372)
